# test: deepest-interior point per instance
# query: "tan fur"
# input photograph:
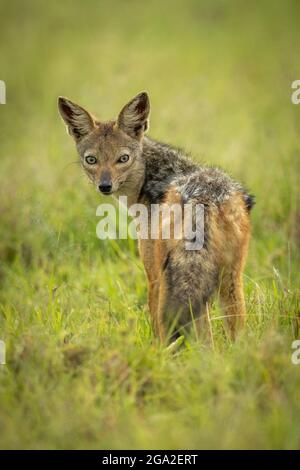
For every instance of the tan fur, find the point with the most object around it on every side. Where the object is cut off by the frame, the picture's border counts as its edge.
(230, 227)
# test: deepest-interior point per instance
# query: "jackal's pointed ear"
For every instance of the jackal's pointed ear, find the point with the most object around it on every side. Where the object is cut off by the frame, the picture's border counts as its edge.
(79, 122)
(134, 117)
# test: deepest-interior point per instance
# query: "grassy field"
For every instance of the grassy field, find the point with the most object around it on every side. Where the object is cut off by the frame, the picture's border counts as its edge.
(83, 367)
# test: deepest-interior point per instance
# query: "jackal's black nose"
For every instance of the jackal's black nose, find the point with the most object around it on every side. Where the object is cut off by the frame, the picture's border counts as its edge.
(105, 188)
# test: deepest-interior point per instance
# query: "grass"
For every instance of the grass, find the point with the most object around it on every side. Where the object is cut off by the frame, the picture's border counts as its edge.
(83, 368)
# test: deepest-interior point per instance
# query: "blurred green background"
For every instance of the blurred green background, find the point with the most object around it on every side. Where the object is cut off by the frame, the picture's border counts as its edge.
(83, 369)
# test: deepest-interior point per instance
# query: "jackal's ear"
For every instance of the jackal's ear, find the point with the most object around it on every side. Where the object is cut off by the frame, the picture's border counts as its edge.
(79, 122)
(134, 117)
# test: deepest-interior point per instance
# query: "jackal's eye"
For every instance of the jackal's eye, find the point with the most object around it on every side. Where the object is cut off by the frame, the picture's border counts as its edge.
(123, 158)
(91, 160)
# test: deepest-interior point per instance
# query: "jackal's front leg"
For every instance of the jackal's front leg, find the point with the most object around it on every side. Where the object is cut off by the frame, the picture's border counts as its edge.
(233, 301)
(157, 307)
(158, 302)
(153, 294)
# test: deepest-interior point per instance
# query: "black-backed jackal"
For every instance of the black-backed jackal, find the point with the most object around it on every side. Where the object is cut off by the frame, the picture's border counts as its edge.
(120, 160)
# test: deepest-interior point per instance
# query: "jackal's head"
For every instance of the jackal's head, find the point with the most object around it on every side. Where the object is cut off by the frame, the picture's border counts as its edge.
(110, 152)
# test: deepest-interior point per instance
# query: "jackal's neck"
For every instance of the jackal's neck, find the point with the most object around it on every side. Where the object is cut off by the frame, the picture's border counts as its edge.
(153, 173)
(163, 163)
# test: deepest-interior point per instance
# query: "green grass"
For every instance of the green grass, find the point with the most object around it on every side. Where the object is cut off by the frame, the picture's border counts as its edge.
(83, 368)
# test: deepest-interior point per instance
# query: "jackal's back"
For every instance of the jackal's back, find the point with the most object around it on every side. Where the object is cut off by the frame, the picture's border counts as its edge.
(168, 167)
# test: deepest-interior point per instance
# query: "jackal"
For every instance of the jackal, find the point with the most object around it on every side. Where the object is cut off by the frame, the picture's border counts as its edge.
(120, 160)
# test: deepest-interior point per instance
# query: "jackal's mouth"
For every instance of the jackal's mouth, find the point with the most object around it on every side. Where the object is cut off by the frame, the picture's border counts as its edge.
(106, 193)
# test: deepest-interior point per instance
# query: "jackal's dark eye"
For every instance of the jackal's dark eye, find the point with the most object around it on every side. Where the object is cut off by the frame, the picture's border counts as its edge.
(91, 160)
(123, 159)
